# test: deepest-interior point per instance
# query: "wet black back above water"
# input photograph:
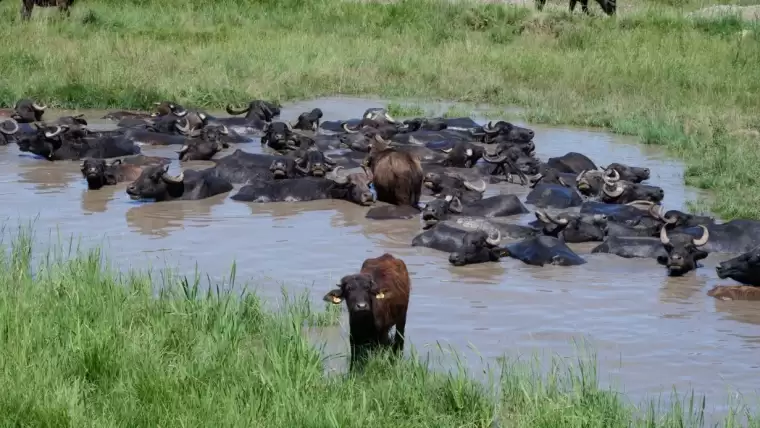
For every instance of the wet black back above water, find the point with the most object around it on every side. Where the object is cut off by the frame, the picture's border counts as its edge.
(650, 331)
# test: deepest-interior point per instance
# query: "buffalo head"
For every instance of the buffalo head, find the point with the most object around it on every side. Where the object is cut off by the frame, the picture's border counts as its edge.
(478, 246)
(422, 123)
(28, 111)
(572, 227)
(354, 187)
(257, 110)
(439, 183)
(617, 191)
(309, 121)
(683, 251)
(46, 141)
(676, 218)
(744, 268)
(315, 163)
(506, 131)
(629, 173)
(207, 146)
(155, 183)
(99, 173)
(166, 108)
(359, 291)
(438, 210)
(8, 128)
(463, 155)
(279, 136)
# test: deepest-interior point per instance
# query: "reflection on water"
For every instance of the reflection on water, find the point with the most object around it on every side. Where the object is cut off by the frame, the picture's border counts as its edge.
(650, 331)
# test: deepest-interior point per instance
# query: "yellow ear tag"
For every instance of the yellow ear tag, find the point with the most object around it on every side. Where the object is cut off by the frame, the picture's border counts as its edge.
(336, 300)
(380, 296)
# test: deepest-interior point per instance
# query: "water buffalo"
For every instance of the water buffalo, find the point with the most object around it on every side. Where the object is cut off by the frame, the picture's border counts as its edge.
(629, 173)
(312, 161)
(463, 155)
(676, 218)
(735, 236)
(309, 121)
(242, 167)
(572, 227)
(477, 247)
(505, 131)
(205, 147)
(8, 128)
(425, 124)
(744, 268)
(27, 110)
(467, 191)
(632, 247)
(155, 183)
(511, 161)
(619, 191)
(99, 173)
(279, 136)
(437, 140)
(554, 196)
(52, 145)
(608, 6)
(589, 183)
(257, 110)
(397, 176)
(450, 237)
(571, 162)
(377, 298)
(683, 250)
(352, 188)
(549, 175)
(495, 206)
(542, 250)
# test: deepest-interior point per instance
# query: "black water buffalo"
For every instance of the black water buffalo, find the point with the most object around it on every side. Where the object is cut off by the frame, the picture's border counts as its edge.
(549, 175)
(205, 147)
(352, 187)
(629, 173)
(632, 247)
(617, 191)
(425, 124)
(312, 161)
(676, 218)
(309, 121)
(554, 196)
(99, 173)
(744, 268)
(572, 227)
(684, 251)
(477, 247)
(8, 128)
(51, 144)
(242, 167)
(279, 136)
(634, 213)
(543, 250)
(437, 140)
(463, 155)
(735, 236)
(155, 183)
(502, 131)
(257, 110)
(450, 237)
(27, 111)
(506, 229)
(608, 6)
(495, 206)
(441, 184)
(571, 162)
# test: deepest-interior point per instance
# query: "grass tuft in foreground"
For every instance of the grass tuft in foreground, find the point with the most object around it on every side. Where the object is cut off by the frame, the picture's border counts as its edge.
(82, 345)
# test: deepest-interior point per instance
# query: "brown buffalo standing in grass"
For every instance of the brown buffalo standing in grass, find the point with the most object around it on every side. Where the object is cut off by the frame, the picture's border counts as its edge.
(397, 176)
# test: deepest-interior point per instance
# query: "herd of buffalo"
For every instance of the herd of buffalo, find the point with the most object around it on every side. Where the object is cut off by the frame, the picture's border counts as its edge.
(388, 165)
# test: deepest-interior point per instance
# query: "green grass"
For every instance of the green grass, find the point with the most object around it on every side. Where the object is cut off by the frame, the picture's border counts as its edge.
(82, 345)
(688, 84)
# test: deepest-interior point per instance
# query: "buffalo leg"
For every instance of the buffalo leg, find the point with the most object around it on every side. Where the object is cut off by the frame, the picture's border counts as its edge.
(540, 4)
(572, 5)
(398, 338)
(26, 9)
(584, 6)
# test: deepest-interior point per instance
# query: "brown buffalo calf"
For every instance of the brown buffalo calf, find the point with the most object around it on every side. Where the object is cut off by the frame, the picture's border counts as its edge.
(377, 299)
(397, 176)
(735, 292)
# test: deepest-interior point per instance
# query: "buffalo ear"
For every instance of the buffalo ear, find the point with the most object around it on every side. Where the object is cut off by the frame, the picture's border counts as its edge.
(334, 296)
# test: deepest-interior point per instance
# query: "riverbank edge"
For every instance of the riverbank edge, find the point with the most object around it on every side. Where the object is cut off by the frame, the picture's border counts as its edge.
(103, 330)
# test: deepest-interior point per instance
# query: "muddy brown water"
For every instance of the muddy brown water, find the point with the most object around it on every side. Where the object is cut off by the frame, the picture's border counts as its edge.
(650, 332)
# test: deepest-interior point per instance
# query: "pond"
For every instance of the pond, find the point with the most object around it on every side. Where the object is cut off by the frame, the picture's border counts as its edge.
(650, 331)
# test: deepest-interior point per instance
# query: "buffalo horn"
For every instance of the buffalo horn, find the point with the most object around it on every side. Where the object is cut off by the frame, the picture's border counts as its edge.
(224, 130)
(657, 211)
(447, 150)
(389, 118)
(489, 128)
(347, 129)
(613, 193)
(477, 188)
(642, 205)
(172, 179)
(611, 176)
(494, 158)
(39, 107)
(703, 240)
(494, 240)
(664, 236)
(184, 149)
(58, 130)
(185, 129)
(231, 110)
(559, 221)
(10, 131)
(334, 176)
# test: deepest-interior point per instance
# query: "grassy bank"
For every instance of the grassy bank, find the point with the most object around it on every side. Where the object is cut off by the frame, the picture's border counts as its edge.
(688, 84)
(83, 346)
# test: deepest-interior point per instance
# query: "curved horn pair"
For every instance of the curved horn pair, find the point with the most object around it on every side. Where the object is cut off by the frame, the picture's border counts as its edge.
(39, 107)
(12, 130)
(334, 176)
(697, 242)
(58, 130)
